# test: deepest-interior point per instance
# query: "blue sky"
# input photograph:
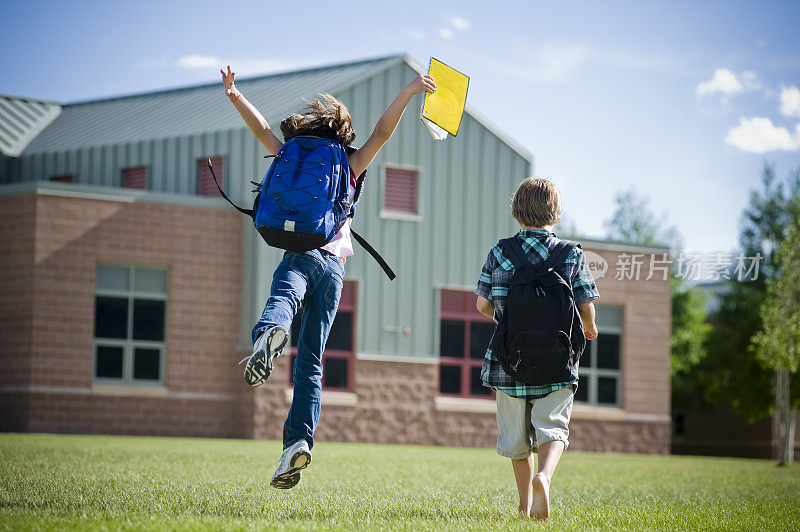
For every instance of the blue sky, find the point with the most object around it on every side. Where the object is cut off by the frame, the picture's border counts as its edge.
(683, 100)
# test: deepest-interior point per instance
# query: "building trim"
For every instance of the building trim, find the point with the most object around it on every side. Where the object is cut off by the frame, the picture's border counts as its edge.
(613, 245)
(118, 390)
(116, 194)
(465, 404)
(372, 357)
(606, 413)
(329, 397)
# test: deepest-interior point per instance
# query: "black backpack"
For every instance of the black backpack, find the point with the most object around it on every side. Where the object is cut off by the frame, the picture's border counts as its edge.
(539, 337)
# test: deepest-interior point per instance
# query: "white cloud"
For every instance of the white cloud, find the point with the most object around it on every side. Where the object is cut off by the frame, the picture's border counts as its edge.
(460, 23)
(416, 35)
(724, 81)
(750, 81)
(790, 101)
(194, 61)
(446, 33)
(760, 135)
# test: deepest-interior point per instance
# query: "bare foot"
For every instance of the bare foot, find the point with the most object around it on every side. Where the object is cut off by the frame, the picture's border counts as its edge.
(541, 497)
(525, 509)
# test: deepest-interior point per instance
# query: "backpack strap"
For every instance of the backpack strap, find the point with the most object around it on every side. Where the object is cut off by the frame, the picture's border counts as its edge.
(248, 212)
(513, 251)
(559, 253)
(375, 254)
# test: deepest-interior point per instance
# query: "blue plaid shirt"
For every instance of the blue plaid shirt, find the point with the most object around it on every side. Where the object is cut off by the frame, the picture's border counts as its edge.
(493, 285)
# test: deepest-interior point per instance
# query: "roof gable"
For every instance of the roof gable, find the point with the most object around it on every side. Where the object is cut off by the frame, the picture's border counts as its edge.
(193, 110)
(21, 119)
(203, 109)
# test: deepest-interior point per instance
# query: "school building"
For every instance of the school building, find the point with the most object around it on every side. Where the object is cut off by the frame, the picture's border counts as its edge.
(129, 286)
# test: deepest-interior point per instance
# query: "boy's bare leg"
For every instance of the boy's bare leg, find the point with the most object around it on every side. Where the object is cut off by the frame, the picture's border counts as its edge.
(523, 474)
(549, 454)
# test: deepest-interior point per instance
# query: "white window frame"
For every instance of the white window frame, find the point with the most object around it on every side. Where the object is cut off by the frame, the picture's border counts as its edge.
(129, 344)
(402, 216)
(593, 373)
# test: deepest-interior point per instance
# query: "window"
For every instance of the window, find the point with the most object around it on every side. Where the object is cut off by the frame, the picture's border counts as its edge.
(129, 324)
(337, 361)
(63, 178)
(205, 181)
(464, 334)
(600, 381)
(400, 196)
(135, 177)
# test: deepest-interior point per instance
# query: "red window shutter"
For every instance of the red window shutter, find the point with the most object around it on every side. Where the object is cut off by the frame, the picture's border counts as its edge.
(63, 178)
(135, 177)
(400, 191)
(205, 181)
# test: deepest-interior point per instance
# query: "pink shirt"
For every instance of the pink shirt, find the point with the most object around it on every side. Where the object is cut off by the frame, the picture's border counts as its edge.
(342, 245)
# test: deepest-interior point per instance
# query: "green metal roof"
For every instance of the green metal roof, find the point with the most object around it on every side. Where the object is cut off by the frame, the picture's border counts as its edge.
(21, 119)
(194, 110)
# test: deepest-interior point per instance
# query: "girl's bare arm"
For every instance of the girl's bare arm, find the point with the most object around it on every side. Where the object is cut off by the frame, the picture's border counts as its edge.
(254, 120)
(361, 158)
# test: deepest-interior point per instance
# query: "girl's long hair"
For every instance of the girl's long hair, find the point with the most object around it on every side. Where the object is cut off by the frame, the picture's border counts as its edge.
(326, 117)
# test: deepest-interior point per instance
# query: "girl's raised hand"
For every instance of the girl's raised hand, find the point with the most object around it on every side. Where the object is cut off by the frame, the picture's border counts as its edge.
(422, 83)
(227, 82)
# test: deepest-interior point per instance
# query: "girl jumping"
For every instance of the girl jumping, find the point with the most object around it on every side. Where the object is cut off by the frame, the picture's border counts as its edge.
(313, 278)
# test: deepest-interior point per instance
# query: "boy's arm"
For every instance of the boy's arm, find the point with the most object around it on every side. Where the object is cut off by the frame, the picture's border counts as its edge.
(257, 124)
(485, 307)
(586, 310)
(362, 157)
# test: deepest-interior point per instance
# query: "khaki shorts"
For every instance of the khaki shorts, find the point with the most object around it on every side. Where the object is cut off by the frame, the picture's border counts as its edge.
(525, 425)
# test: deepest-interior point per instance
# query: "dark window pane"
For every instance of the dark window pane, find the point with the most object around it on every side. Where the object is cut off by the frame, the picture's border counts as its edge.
(109, 362)
(334, 372)
(608, 351)
(111, 317)
(341, 335)
(146, 364)
(480, 332)
(450, 379)
(607, 390)
(296, 327)
(679, 425)
(586, 357)
(148, 320)
(476, 387)
(451, 343)
(583, 389)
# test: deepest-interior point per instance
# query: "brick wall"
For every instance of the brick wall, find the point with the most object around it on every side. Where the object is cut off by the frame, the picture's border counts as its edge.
(47, 306)
(396, 402)
(55, 249)
(16, 302)
(646, 335)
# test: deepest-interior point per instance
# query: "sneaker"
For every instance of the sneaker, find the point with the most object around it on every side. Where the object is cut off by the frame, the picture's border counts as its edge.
(268, 346)
(294, 459)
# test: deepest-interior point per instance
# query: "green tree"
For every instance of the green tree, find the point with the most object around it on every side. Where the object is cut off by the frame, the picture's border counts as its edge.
(730, 374)
(690, 330)
(633, 221)
(777, 344)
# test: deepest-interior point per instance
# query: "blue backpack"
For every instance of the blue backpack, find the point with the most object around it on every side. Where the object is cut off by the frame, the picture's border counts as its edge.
(303, 201)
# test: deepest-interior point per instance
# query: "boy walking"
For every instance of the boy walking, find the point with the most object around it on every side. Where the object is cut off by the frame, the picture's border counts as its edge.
(533, 418)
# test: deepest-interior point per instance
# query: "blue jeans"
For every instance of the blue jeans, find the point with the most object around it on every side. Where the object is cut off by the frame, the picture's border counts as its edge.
(313, 279)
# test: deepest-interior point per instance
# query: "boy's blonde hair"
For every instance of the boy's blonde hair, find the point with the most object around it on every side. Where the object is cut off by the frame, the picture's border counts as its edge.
(536, 203)
(326, 117)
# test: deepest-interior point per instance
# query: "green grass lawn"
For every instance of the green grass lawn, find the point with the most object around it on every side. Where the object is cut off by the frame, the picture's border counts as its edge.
(100, 482)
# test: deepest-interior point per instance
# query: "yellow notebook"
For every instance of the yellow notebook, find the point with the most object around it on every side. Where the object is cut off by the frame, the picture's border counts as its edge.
(445, 107)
